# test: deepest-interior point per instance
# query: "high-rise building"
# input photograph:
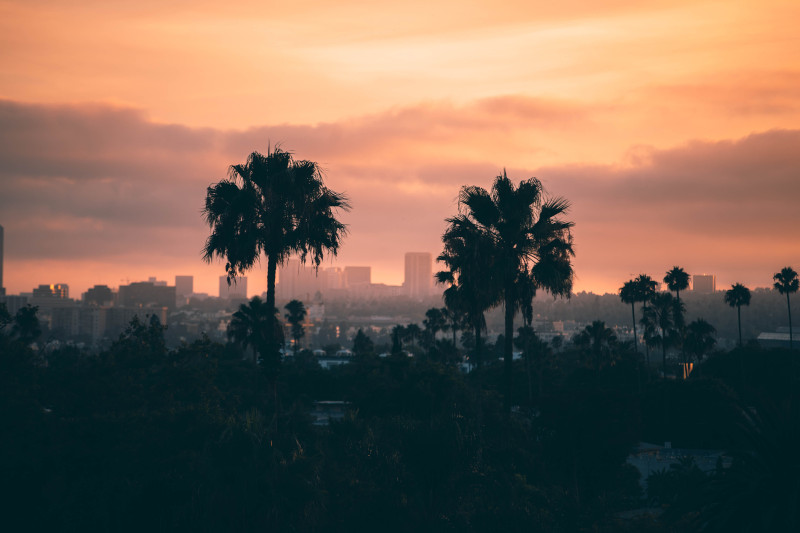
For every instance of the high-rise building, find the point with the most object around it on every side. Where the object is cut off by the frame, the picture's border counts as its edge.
(2, 287)
(58, 290)
(146, 294)
(704, 283)
(99, 295)
(184, 286)
(356, 276)
(418, 275)
(237, 288)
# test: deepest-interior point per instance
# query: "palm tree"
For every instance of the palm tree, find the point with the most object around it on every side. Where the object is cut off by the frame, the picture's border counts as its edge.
(629, 294)
(737, 296)
(528, 239)
(276, 206)
(700, 338)
(472, 289)
(786, 282)
(661, 315)
(645, 290)
(599, 340)
(249, 326)
(677, 280)
(295, 316)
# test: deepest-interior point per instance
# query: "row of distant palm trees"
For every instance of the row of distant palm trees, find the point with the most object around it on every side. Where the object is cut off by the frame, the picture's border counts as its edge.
(663, 316)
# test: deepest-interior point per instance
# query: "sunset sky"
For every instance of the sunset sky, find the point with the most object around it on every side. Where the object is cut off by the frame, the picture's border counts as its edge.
(672, 127)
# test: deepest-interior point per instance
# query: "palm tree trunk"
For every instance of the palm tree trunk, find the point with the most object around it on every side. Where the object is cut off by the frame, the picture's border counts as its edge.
(272, 267)
(635, 338)
(789, 307)
(739, 316)
(664, 352)
(508, 354)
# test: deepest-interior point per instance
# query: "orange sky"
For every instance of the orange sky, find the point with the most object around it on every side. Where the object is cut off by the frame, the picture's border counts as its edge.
(673, 127)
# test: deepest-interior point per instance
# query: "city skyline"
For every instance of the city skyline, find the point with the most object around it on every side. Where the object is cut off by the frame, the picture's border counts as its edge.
(670, 127)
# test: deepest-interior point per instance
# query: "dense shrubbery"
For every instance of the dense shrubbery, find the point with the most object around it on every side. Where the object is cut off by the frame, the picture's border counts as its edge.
(143, 438)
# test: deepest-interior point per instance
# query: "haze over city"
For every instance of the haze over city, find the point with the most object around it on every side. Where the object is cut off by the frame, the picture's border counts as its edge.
(671, 127)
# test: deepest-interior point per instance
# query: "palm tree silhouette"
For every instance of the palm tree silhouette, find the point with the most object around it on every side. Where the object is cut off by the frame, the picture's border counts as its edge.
(295, 316)
(629, 294)
(737, 296)
(700, 338)
(661, 314)
(528, 239)
(276, 206)
(249, 326)
(472, 288)
(786, 282)
(677, 280)
(645, 290)
(599, 340)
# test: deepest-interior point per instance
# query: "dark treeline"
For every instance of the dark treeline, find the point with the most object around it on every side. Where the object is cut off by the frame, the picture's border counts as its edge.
(142, 438)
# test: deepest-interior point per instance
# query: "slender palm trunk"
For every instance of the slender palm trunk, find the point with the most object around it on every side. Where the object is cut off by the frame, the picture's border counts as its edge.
(789, 307)
(664, 352)
(508, 353)
(272, 267)
(635, 338)
(739, 317)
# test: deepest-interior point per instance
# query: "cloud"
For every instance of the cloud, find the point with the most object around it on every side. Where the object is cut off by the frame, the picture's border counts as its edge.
(103, 184)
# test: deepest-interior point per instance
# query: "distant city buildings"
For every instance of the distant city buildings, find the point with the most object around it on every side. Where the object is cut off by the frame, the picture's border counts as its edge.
(237, 289)
(304, 282)
(704, 283)
(418, 275)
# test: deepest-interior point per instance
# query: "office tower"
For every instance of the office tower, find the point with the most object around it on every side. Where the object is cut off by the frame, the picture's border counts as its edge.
(704, 283)
(419, 275)
(58, 291)
(146, 294)
(184, 286)
(357, 276)
(99, 295)
(2, 287)
(237, 288)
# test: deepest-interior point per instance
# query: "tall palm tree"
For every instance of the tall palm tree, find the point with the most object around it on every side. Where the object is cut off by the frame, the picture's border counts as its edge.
(677, 280)
(629, 294)
(528, 239)
(249, 326)
(276, 206)
(645, 290)
(472, 287)
(737, 296)
(786, 282)
(296, 314)
(660, 313)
